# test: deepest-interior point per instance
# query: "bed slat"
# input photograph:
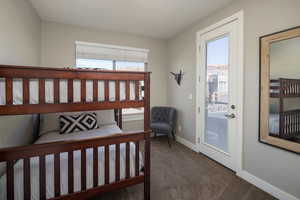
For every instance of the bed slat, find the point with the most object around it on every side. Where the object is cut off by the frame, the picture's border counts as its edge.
(95, 166)
(10, 179)
(9, 91)
(127, 167)
(117, 93)
(56, 90)
(106, 161)
(120, 118)
(42, 91)
(42, 177)
(27, 188)
(70, 172)
(25, 91)
(83, 90)
(83, 169)
(57, 174)
(95, 90)
(137, 158)
(106, 90)
(137, 90)
(127, 90)
(117, 162)
(70, 91)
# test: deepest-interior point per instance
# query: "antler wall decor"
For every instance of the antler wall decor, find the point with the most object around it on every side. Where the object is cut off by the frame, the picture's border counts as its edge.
(178, 76)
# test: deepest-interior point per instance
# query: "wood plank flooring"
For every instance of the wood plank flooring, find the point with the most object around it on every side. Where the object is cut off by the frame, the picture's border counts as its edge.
(178, 173)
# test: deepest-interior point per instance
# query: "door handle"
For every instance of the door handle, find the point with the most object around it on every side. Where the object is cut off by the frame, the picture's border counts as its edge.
(230, 116)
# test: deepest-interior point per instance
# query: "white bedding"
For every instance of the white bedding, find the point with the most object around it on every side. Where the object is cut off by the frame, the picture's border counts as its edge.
(274, 123)
(55, 136)
(275, 91)
(63, 88)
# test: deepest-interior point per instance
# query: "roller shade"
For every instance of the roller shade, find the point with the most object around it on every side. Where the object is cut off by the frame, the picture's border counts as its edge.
(110, 52)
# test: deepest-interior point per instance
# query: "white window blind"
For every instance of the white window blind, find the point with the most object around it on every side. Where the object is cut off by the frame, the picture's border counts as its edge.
(87, 50)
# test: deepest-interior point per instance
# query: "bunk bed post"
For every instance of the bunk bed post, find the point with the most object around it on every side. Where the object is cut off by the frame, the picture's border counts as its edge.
(147, 136)
(118, 117)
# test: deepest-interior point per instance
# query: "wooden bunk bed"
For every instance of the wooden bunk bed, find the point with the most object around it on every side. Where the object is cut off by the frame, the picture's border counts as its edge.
(289, 121)
(26, 153)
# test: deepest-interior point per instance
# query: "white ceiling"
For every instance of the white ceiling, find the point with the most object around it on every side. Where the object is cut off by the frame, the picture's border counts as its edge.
(154, 18)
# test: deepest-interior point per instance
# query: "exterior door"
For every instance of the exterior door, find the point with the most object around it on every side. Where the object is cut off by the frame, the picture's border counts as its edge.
(218, 93)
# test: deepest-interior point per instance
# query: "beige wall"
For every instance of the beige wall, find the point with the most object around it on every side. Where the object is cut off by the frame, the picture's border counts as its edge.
(19, 45)
(58, 50)
(284, 59)
(20, 33)
(278, 167)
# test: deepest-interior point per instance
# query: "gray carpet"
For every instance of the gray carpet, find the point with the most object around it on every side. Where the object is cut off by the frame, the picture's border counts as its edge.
(178, 173)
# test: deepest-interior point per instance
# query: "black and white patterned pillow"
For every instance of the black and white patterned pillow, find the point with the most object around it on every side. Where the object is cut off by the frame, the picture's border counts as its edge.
(75, 123)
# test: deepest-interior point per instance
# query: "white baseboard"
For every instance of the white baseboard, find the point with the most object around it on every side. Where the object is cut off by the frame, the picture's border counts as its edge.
(186, 143)
(265, 186)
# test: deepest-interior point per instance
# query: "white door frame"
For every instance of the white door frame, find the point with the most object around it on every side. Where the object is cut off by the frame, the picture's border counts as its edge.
(239, 17)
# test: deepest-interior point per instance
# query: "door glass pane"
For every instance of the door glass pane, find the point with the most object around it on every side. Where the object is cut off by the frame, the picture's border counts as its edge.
(216, 124)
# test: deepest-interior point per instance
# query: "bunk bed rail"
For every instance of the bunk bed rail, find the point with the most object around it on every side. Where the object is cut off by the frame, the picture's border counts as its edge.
(289, 124)
(283, 88)
(11, 155)
(69, 76)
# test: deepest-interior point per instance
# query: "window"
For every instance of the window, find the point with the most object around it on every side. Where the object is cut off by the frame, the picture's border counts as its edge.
(109, 57)
(110, 64)
(94, 63)
(130, 66)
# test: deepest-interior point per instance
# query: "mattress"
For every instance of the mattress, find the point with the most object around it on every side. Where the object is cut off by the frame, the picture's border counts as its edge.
(274, 123)
(55, 136)
(63, 88)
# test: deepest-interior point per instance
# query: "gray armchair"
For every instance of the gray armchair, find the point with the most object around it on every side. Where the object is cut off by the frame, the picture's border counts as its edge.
(163, 121)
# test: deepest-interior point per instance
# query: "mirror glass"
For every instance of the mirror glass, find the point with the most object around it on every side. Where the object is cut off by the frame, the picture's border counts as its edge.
(284, 105)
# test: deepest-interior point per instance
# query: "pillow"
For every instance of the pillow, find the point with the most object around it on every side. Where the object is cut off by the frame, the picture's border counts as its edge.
(75, 123)
(49, 122)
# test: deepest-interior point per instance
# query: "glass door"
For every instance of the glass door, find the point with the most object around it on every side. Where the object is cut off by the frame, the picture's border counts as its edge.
(218, 94)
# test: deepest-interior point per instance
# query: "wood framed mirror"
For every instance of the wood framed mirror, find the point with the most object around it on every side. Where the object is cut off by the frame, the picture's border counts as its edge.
(280, 89)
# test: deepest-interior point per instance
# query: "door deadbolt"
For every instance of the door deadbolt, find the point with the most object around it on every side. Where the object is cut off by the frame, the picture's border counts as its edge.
(230, 116)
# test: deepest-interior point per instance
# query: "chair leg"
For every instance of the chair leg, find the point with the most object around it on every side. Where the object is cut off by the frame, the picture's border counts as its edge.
(169, 136)
(174, 138)
(169, 142)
